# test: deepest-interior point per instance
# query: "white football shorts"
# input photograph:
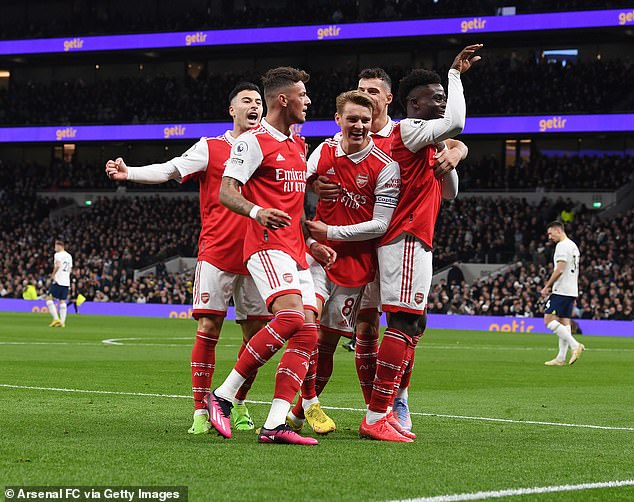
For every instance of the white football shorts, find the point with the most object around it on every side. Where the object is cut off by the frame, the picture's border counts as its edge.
(340, 304)
(213, 288)
(275, 274)
(405, 266)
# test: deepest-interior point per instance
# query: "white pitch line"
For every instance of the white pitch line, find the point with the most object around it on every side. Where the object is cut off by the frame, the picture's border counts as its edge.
(521, 491)
(360, 410)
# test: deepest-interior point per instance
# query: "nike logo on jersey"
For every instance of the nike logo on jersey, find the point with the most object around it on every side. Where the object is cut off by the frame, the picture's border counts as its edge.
(280, 157)
(331, 171)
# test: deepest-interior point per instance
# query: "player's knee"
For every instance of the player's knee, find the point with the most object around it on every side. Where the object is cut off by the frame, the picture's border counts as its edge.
(422, 323)
(553, 325)
(405, 322)
(209, 325)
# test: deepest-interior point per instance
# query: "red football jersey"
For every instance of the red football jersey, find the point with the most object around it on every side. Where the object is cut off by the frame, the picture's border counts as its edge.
(421, 195)
(272, 168)
(367, 177)
(222, 231)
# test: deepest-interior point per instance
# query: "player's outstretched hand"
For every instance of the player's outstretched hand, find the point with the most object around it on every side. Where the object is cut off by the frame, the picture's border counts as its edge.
(273, 218)
(464, 61)
(323, 254)
(326, 189)
(117, 170)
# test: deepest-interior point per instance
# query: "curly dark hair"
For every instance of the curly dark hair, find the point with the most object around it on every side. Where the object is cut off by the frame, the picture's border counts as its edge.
(414, 79)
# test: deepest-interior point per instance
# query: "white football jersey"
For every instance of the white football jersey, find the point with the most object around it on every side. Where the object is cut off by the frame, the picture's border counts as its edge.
(65, 262)
(566, 285)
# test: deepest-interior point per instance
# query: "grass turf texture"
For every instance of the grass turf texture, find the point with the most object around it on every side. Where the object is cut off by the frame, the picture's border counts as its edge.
(57, 438)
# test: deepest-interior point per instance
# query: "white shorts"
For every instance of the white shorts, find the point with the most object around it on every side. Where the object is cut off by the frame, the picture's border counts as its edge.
(371, 299)
(340, 304)
(213, 288)
(275, 274)
(406, 271)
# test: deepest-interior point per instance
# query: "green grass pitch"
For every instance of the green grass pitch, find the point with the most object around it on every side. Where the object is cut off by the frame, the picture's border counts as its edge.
(130, 435)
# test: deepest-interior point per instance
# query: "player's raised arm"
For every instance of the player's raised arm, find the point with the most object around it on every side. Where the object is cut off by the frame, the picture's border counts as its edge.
(417, 133)
(192, 161)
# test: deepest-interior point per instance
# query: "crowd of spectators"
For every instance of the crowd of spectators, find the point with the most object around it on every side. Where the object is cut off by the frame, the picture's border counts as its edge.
(116, 236)
(581, 87)
(549, 173)
(107, 240)
(606, 279)
(84, 18)
(540, 172)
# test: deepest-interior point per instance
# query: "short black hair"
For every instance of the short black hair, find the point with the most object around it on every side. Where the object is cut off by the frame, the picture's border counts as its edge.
(556, 224)
(413, 79)
(281, 77)
(243, 86)
(379, 73)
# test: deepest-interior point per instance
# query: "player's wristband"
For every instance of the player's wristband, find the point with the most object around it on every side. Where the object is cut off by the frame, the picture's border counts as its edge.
(310, 241)
(254, 212)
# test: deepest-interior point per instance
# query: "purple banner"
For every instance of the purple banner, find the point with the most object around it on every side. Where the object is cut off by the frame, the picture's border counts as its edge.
(534, 124)
(435, 321)
(357, 31)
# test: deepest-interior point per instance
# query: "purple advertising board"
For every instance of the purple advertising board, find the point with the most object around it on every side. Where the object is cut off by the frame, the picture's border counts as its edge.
(324, 33)
(533, 124)
(435, 321)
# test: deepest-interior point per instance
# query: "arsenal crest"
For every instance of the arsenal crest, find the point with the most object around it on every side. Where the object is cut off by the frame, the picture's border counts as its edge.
(288, 278)
(362, 180)
(419, 297)
(204, 297)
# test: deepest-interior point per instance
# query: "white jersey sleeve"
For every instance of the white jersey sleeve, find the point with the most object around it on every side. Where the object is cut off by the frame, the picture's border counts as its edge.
(567, 284)
(246, 156)
(64, 262)
(417, 133)
(313, 161)
(191, 162)
(449, 185)
(385, 199)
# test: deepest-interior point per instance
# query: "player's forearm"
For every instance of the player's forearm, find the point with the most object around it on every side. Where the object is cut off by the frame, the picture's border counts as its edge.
(232, 199)
(553, 278)
(453, 122)
(365, 230)
(153, 174)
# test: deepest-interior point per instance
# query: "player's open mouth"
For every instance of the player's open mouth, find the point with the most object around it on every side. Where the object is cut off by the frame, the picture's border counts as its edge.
(252, 116)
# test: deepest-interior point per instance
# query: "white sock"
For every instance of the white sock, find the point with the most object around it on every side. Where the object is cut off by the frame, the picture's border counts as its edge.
(402, 394)
(277, 414)
(202, 411)
(62, 312)
(52, 309)
(306, 403)
(563, 350)
(372, 417)
(563, 332)
(230, 386)
(295, 419)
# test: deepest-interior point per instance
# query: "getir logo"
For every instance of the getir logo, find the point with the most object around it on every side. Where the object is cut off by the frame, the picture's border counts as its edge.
(477, 23)
(181, 315)
(554, 123)
(512, 327)
(626, 17)
(75, 43)
(329, 32)
(170, 132)
(67, 133)
(195, 38)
